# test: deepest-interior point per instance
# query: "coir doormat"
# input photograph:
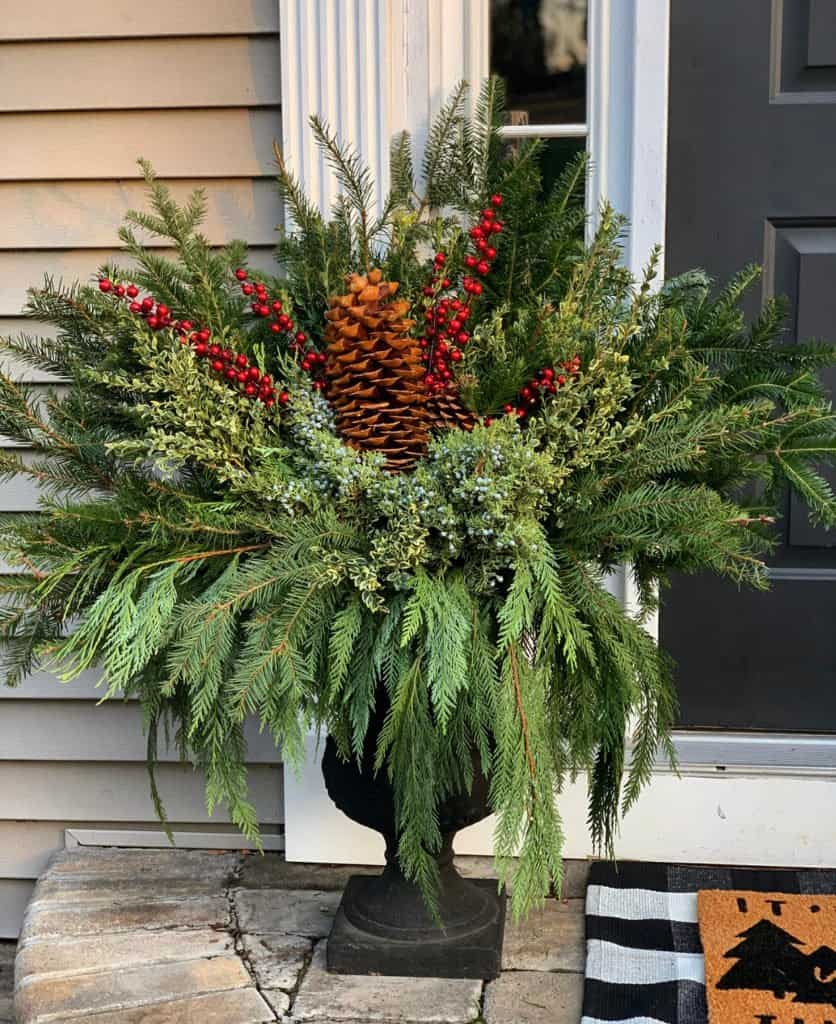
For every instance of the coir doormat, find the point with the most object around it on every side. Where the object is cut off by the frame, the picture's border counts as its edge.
(769, 956)
(645, 961)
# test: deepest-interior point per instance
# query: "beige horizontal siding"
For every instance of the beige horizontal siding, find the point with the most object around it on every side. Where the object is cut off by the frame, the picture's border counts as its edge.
(25, 268)
(59, 730)
(12, 326)
(20, 494)
(66, 19)
(44, 685)
(118, 792)
(25, 846)
(228, 143)
(15, 893)
(76, 214)
(219, 71)
(193, 86)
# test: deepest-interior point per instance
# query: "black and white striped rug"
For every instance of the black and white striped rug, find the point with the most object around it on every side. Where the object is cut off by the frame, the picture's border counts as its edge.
(644, 962)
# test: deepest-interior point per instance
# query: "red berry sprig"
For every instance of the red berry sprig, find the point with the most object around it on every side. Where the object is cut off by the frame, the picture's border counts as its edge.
(446, 335)
(264, 306)
(234, 367)
(545, 382)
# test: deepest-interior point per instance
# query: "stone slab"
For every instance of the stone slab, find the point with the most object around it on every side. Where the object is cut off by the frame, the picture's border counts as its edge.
(47, 919)
(534, 997)
(368, 999)
(43, 999)
(135, 865)
(240, 1006)
(551, 939)
(575, 874)
(114, 951)
(575, 879)
(292, 912)
(279, 1001)
(85, 890)
(272, 871)
(277, 960)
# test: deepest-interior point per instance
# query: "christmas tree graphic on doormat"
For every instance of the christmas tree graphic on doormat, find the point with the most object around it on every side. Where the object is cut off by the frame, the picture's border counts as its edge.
(768, 959)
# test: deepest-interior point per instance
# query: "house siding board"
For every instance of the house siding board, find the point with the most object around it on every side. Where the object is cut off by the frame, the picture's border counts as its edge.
(20, 270)
(91, 145)
(119, 792)
(103, 74)
(44, 685)
(14, 325)
(61, 730)
(194, 88)
(126, 19)
(15, 893)
(82, 214)
(26, 846)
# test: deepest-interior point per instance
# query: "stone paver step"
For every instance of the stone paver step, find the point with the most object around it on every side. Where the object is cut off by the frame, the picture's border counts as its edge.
(188, 937)
(298, 912)
(45, 998)
(325, 998)
(50, 918)
(240, 1006)
(40, 999)
(552, 939)
(534, 997)
(91, 954)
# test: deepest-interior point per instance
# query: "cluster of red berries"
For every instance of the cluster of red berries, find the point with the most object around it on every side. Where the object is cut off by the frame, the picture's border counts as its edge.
(545, 382)
(232, 366)
(264, 306)
(445, 334)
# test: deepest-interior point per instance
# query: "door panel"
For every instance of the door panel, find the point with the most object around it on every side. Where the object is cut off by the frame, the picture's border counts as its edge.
(752, 178)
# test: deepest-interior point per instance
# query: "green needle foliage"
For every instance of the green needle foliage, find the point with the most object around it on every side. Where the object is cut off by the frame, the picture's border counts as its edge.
(219, 559)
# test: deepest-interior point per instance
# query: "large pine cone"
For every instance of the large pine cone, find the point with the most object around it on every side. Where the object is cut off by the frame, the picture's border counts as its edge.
(448, 412)
(375, 377)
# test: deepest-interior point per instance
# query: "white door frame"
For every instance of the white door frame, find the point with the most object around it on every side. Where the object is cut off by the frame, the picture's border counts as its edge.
(373, 67)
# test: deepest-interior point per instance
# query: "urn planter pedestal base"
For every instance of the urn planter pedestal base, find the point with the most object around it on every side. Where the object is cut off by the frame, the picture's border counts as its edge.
(383, 925)
(403, 941)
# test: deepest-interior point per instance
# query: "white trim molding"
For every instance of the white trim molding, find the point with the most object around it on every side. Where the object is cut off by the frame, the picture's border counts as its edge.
(627, 114)
(434, 45)
(752, 752)
(627, 100)
(335, 63)
(74, 838)
(706, 814)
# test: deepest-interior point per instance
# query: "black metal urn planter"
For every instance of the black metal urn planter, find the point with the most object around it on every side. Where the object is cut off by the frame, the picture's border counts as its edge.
(383, 925)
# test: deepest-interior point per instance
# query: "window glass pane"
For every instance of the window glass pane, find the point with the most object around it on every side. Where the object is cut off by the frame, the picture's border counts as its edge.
(539, 48)
(555, 155)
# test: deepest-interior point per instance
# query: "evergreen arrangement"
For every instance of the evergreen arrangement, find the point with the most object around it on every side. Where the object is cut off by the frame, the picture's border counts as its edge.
(400, 471)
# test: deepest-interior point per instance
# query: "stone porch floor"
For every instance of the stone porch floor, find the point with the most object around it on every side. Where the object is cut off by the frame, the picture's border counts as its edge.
(178, 937)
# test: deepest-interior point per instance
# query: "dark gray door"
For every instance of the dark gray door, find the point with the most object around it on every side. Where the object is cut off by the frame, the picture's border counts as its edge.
(752, 178)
